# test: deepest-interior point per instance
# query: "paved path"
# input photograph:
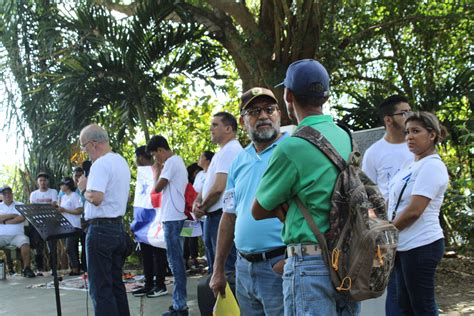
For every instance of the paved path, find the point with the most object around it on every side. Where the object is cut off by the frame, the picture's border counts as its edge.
(17, 299)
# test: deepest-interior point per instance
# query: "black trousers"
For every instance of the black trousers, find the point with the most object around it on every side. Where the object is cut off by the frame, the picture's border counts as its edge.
(154, 265)
(190, 248)
(37, 243)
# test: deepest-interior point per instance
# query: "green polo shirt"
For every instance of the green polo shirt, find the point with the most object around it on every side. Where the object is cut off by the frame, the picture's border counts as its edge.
(298, 167)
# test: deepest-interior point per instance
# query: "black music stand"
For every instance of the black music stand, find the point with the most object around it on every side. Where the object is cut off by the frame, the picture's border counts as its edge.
(51, 226)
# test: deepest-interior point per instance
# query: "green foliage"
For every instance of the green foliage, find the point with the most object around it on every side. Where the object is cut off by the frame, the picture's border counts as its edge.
(150, 73)
(79, 64)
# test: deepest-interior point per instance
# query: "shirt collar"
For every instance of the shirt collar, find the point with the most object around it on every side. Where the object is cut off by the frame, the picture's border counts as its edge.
(315, 119)
(282, 137)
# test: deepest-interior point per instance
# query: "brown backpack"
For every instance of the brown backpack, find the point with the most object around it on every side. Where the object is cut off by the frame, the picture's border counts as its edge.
(360, 251)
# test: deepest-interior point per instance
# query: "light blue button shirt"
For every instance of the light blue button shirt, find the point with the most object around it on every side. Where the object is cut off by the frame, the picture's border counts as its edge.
(247, 169)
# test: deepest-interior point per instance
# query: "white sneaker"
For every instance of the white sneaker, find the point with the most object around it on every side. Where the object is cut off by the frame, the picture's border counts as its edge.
(156, 292)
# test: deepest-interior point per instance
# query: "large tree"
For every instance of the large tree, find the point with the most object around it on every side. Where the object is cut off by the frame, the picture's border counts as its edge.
(408, 47)
(92, 61)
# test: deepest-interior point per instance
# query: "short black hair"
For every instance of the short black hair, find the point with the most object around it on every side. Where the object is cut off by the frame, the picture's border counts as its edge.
(42, 175)
(228, 120)
(387, 107)
(78, 169)
(142, 152)
(307, 101)
(208, 154)
(69, 182)
(156, 142)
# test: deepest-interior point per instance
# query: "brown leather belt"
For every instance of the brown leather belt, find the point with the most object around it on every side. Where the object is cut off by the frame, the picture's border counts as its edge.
(303, 250)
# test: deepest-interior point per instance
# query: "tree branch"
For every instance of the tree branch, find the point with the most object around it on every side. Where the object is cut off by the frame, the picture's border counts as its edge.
(240, 13)
(389, 24)
(383, 82)
(127, 9)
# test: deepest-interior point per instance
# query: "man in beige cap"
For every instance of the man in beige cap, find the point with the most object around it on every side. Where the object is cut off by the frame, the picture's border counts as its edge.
(258, 288)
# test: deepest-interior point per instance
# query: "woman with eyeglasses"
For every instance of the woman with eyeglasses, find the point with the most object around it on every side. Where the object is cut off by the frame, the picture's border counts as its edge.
(416, 194)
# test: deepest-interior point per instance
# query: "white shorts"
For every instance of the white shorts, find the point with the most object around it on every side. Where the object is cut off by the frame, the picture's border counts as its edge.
(14, 240)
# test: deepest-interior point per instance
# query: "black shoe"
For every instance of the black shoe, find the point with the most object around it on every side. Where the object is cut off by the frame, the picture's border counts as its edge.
(156, 292)
(141, 291)
(28, 273)
(173, 312)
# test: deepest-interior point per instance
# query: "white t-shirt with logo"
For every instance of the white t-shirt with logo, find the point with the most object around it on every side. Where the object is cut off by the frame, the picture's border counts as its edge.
(46, 197)
(383, 160)
(220, 163)
(11, 229)
(426, 177)
(172, 208)
(110, 175)
(71, 202)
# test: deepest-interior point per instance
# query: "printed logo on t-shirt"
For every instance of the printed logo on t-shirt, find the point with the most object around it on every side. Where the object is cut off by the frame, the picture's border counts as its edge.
(228, 204)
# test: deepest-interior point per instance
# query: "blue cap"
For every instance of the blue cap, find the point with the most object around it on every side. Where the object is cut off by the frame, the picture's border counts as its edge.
(307, 77)
(5, 188)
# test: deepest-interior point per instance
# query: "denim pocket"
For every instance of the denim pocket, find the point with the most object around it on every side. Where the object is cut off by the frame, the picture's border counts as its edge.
(312, 267)
(277, 265)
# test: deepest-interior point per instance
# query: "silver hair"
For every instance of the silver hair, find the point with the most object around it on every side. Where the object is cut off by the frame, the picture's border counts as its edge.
(96, 133)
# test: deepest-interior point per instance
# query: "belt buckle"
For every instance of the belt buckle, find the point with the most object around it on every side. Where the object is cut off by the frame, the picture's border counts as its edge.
(304, 250)
(296, 249)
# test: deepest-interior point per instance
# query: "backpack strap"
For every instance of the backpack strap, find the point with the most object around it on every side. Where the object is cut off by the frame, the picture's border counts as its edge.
(314, 228)
(317, 139)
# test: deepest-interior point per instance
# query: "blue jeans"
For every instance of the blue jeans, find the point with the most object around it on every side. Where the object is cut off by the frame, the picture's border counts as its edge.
(174, 253)
(415, 278)
(308, 289)
(105, 247)
(391, 302)
(211, 227)
(259, 289)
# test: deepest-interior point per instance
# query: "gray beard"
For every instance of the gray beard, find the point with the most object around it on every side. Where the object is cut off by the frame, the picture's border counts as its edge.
(263, 136)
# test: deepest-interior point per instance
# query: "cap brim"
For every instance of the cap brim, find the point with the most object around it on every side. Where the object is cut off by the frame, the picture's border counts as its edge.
(280, 84)
(255, 97)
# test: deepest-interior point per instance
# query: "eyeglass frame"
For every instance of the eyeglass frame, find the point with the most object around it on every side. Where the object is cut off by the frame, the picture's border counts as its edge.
(255, 112)
(83, 147)
(405, 114)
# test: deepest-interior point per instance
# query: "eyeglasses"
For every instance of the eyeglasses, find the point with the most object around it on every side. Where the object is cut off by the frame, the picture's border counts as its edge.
(255, 112)
(83, 147)
(405, 114)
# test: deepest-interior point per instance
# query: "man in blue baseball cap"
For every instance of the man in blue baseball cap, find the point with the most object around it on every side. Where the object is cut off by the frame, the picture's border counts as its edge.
(298, 168)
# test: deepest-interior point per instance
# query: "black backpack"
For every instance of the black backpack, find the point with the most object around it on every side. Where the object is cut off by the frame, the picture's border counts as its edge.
(359, 250)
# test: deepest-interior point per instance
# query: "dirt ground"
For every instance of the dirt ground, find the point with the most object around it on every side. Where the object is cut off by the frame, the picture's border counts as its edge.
(455, 285)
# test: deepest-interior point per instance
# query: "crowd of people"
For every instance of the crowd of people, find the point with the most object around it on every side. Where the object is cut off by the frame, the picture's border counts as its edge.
(245, 200)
